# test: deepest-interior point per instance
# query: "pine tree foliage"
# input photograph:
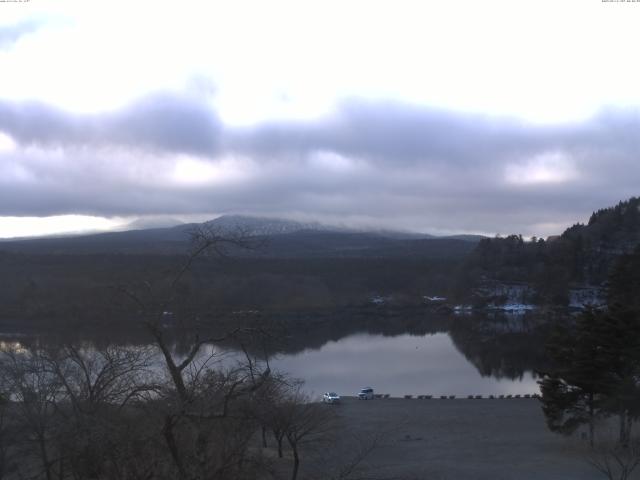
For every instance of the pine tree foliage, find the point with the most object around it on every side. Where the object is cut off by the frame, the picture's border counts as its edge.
(572, 392)
(597, 361)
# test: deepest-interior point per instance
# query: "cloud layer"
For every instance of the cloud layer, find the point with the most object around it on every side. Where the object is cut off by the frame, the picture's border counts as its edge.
(9, 34)
(368, 163)
(160, 123)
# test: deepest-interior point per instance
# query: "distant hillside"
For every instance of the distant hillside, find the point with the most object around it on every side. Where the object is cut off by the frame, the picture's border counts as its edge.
(152, 240)
(582, 255)
(273, 238)
(292, 267)
(466, 237)
(311, 243)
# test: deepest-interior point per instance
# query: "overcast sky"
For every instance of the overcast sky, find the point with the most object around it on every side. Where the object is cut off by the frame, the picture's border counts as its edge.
(468, 116)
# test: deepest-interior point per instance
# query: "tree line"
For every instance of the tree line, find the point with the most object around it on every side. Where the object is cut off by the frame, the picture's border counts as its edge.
(583, 254)
(596, 373)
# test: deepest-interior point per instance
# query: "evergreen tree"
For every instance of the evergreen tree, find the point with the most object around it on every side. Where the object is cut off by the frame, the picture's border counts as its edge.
(572, 392)
(624, 283)
(619, 331)
(621, 339)
(597, 362)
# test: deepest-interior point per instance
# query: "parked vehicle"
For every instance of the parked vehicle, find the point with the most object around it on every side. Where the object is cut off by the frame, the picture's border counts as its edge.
(331, 397)
(366, 394)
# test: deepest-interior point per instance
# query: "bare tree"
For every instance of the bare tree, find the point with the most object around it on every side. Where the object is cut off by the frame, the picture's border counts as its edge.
(272, 409)
(4, 436)
(135, 413)
(613, 460)
(93, 378)
(35, 392)
(205, 431)
(98, 384)
(304, 422)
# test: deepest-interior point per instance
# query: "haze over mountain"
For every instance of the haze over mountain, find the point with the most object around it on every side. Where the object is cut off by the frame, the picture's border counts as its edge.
(273, 237)
(153, 222)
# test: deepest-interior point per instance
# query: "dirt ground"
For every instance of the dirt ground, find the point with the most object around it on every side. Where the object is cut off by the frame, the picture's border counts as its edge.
(459, 439)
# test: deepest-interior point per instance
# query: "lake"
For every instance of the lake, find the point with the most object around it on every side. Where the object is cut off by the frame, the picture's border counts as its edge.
(397, 356)
(398, 365)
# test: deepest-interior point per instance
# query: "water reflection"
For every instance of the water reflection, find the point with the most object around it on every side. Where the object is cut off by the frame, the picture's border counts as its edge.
(404, 364)
(398, 352)
(504, 346)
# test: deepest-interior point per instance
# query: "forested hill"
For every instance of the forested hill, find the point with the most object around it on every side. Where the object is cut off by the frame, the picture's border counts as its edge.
(582, 255)
(614, 230)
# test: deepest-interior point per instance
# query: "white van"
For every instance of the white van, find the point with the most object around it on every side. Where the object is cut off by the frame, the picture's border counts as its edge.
(366, 394)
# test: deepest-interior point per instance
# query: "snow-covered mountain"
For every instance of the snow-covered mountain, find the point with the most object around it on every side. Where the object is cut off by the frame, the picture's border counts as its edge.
(251, 225)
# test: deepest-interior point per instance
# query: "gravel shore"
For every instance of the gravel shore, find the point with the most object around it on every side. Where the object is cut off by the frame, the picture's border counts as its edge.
(460, 439)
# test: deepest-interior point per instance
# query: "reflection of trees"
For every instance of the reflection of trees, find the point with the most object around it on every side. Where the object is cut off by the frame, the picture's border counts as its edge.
(292, 332)
(313, 332)
(501, 346)
(504, 346)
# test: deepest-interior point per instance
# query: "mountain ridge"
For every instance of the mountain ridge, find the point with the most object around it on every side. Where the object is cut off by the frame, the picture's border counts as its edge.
(284, 238)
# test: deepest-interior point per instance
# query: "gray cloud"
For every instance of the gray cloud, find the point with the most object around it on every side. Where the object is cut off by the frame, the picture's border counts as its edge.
(156, 123)
(9, 34)
(453, 167)
(388, 131)
(370, 163)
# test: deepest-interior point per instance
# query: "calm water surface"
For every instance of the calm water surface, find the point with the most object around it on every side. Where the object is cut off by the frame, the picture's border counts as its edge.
(398, 365)
(402, 363)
